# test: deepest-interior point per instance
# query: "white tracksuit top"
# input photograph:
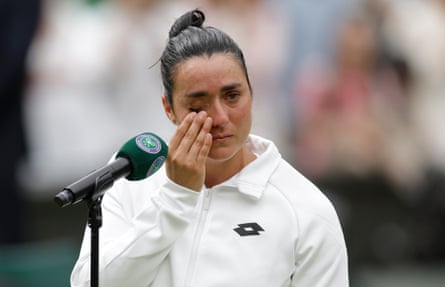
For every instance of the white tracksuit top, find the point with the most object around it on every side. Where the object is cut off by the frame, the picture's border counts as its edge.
(267, 226)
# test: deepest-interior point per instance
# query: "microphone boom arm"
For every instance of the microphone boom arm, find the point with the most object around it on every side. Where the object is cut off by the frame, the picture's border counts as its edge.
(90, 190)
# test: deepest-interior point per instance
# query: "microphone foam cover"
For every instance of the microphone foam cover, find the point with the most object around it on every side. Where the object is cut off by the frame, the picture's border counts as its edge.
(146, 152)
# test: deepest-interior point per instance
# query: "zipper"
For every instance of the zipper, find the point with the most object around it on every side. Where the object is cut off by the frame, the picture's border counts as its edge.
(198, 236)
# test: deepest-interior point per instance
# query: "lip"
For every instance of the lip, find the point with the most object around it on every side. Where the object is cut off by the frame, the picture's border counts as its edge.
(221, 138)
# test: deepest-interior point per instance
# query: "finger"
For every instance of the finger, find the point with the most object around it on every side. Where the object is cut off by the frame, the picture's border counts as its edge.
(200, 140)
(205, 149)
(181, 131)
(191, 136)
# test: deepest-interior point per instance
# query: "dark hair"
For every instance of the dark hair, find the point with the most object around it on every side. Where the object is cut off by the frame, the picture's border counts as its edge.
(188, 38)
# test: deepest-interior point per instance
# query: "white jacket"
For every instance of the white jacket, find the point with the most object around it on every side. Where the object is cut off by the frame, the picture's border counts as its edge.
(267, 226)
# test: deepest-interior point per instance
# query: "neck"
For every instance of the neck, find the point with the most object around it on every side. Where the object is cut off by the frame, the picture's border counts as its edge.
(220, 171)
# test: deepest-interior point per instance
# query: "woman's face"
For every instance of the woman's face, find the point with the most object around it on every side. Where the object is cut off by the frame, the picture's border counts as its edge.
(217, 85)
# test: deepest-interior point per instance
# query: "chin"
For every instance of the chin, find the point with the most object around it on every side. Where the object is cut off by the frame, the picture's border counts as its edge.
(222, 154)
(219, 158)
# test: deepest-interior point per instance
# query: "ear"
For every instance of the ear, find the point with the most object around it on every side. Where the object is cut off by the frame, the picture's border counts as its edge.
(168, 110)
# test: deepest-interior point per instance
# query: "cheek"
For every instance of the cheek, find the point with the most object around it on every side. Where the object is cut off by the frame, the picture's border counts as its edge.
(178, 113)
(243, 116)
(178, 119)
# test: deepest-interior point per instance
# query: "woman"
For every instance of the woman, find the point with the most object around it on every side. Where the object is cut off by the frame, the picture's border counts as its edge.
(227, 210)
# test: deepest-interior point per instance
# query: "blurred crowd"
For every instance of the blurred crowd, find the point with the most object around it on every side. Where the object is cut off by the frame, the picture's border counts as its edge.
(352, 92)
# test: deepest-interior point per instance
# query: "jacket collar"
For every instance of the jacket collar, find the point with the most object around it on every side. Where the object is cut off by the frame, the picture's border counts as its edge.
(253, 178)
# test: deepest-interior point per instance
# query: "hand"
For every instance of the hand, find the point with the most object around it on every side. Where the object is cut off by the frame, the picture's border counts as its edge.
(188, 150)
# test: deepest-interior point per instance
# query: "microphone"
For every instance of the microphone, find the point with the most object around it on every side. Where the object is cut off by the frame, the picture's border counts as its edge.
(138, 158)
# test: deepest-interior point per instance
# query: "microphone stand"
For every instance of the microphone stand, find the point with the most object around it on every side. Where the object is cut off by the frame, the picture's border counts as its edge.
(103, 182)
(94, 222)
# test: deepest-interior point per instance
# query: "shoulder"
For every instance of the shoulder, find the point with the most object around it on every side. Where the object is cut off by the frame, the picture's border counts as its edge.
(309, 204)
(130, 196)
(295, 186)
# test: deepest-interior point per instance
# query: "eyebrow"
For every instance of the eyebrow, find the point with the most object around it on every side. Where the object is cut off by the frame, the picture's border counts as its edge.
(226, 88)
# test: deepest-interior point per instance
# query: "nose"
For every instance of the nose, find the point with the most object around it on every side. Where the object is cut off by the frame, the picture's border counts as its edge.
(219, 114)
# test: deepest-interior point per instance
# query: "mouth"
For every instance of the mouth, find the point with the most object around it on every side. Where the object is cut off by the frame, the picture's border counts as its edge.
(221, 138)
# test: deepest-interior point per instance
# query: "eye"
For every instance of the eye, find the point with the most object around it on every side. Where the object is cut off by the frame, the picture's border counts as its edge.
(232, 96)
(196, 110)
(198, 107)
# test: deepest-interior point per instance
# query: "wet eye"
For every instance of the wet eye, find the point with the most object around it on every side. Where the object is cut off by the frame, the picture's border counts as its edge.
(233, 96)
(198, 107)
(196, 110)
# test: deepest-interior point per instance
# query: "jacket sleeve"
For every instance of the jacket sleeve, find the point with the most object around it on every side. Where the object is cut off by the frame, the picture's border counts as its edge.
(131, 247)
(321, 256)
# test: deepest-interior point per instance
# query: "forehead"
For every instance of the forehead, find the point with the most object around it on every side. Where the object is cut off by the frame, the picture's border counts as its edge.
(208, 72)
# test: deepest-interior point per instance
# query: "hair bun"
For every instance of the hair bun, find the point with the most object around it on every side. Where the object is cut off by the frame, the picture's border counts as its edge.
(191, 18)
